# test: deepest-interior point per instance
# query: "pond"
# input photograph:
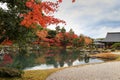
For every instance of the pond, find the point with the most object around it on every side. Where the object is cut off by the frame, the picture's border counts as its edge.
(45, 59)
(51, 66)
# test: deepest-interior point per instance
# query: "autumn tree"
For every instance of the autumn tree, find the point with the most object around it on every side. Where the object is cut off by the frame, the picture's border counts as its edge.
(23, 18)
(88, 40)
(66, 38)
(85, 41)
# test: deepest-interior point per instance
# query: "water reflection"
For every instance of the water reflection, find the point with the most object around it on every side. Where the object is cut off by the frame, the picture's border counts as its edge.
(21, 61)
(48, 58)
(76, 62)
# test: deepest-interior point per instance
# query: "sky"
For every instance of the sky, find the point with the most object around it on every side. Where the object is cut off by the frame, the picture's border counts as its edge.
(93, 18)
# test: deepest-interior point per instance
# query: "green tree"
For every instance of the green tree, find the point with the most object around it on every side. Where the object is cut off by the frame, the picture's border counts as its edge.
(82, 40)
(76, 43)
(58, 29)
(71, 31)
(51, 34)
(63, 30)
(10, 21)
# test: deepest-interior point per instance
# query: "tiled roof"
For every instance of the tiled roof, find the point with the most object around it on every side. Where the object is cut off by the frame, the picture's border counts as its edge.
(112, 37)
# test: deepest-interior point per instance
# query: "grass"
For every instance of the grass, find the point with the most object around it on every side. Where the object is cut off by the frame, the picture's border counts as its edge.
(118, 59)
(106, 56)
(34, 75)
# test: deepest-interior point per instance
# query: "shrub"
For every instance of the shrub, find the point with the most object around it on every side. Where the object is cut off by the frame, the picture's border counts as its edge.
(8, 72)
(116, 46)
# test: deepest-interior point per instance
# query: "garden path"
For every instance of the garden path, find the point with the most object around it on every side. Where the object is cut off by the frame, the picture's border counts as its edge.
(102, 71)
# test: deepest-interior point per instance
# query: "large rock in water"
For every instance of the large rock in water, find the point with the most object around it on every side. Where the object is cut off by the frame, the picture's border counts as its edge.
(8, 72)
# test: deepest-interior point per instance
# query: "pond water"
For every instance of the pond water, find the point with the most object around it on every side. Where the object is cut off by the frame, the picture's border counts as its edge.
(45, 59)
(74, 63)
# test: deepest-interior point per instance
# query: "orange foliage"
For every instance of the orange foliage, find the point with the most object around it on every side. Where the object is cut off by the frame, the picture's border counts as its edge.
(61, 37)
(60, 1)
(7, 42)
(44, 44)
(66, 35)
(49, 40)
(43, 40)
(42, 34)
(87, 40)
(74, 36)
(40, 14)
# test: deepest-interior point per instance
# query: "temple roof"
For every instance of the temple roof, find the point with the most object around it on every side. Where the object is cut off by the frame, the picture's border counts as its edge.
(112, 37)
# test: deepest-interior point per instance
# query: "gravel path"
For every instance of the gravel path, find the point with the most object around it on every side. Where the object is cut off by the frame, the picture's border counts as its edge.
(103, 71)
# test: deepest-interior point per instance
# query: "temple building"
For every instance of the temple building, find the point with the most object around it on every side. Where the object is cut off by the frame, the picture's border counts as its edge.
(111, 38)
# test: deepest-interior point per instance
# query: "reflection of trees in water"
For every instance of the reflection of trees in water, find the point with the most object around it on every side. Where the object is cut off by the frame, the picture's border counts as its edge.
(61, 63)
(55, 57)
(51, 60)
(50, 57)
(23, 60)
(68, 57)
(58, 57)
(80, 56)
(69, 62)
(65, 56)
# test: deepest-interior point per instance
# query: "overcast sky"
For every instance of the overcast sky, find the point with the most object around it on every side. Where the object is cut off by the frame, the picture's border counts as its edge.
(93, 18)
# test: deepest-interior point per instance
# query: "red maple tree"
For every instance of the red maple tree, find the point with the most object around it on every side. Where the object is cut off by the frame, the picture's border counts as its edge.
(41, 13)
(7, 42)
